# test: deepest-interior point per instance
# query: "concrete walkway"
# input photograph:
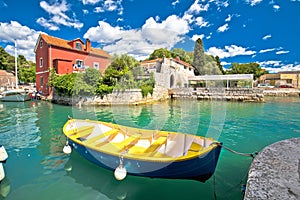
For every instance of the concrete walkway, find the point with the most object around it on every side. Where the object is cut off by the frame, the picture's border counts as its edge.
(275, 172)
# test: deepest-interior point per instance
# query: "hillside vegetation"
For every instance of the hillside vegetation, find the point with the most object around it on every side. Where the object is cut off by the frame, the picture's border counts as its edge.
(26, 69)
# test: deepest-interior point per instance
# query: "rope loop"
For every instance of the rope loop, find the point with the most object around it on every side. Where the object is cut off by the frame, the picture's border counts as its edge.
(235, 152)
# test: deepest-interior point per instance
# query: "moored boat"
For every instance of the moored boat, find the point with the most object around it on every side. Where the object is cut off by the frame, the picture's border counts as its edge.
(148, 153)
(15, 95)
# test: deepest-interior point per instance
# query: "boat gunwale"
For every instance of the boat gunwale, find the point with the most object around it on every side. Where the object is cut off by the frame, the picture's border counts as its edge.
(200, 153)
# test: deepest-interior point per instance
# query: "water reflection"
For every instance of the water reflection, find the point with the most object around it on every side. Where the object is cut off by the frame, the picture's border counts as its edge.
(17, 126)
(4, 187)
(103, 181)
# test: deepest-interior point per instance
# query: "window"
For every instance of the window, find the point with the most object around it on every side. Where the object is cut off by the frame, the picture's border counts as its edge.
(41, 43)
(41, 81)
(78, 46)
(79, 63)
(96, 65)
(41, 62)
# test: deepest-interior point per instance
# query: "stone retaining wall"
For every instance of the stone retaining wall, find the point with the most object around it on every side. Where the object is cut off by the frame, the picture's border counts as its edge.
(126, 97)
(228, 94)
(281, 92)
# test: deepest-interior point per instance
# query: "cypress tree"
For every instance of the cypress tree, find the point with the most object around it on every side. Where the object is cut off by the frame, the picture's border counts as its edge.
(199, 59)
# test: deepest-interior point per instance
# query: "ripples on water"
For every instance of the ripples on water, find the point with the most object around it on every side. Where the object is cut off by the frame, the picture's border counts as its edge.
(37, 169)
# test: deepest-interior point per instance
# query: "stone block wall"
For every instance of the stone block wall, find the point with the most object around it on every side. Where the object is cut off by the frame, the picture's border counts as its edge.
(228, 94)
(126, 97)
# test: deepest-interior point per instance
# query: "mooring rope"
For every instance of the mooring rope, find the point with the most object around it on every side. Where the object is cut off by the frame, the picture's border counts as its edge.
(243, 186)
(238, 153)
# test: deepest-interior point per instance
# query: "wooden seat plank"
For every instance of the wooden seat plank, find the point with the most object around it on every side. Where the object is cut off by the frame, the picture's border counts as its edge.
(111, 133)
(156, 145)
(81, 131)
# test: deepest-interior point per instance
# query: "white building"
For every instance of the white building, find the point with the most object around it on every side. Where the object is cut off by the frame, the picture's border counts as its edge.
(169, 72)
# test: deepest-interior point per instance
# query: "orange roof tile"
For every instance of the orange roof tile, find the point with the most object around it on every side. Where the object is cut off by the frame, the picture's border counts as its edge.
(182, 62)
(64, 44)
(150, 61)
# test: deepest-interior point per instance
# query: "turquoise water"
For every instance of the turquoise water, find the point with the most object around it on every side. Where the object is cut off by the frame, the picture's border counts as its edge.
(37, 169)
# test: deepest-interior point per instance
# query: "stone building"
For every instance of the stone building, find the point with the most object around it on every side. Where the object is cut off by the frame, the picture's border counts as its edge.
(7, 80)
(169, 72)
(285, 78)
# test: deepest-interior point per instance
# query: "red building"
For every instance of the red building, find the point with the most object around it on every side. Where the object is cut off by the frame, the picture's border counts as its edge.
(65, 57)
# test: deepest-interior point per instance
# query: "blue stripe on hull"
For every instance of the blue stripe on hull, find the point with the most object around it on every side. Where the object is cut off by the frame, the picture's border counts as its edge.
(200, 168)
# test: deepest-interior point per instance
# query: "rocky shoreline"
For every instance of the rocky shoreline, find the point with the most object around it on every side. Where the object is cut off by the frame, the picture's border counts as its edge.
(134, 96)
(281, 92)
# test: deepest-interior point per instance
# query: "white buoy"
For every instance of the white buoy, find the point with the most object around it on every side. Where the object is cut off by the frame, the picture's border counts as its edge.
(3, 154)
(120, 173)
(67, 148)
(2, 173)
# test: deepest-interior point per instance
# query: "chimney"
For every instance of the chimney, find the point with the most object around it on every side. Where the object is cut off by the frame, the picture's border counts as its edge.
(87, 45)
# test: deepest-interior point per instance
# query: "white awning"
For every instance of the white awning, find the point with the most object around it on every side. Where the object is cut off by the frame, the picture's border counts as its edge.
(221, 77)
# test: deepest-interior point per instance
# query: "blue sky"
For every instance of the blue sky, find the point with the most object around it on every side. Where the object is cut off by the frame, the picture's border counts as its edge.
(262, 31)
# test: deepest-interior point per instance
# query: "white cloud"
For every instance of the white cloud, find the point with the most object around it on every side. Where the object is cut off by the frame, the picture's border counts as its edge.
(139, 42)
(276, 8)
(98, 10)
(278, 67)
(85, 11)
(229, 51)
(267, 37)
(282, 52)
(104, 33)
(45, 23)
(223, 63)
(57, 12)
(266, 50)
(175, 2)
(25, 37)
(167, 33)
(195, 37)
(253, 2)
(208, 37)
(91, 2)
(201, 22)
(273, 63)
(228, 19)
(108, 5)
(223, 28)
(197, 7)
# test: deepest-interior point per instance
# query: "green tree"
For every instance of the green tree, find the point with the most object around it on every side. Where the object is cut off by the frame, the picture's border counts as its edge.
(27, 74)
(199, 58)
(92, 76)
(183, 55)
(119, 66)
(160, 53)
(64, 85)
(26, 69)
(247, 68)
(217, 59)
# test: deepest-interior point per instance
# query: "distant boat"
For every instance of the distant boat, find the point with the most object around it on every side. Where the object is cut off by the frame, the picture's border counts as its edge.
(140, 152)
(15, 95)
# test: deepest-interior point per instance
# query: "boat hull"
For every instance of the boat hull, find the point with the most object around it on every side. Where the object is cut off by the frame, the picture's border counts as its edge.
(199, 168)
(15, 95)
(16, 98)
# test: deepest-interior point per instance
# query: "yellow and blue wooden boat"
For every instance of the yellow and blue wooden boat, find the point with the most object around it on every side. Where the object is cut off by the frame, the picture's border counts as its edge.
(148, 153)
